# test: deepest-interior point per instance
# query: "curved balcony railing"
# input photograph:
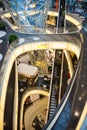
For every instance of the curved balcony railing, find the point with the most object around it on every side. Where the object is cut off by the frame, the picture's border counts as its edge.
(70, 41)
(16, 49)
(73, 24)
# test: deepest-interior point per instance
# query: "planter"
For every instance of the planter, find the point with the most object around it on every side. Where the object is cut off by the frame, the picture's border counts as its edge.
(2, 26)
(12, 38)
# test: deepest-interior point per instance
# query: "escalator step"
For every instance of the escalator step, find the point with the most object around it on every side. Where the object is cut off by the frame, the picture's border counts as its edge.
(53, 106)
(50, 115)
(53, 101)
(51, 112)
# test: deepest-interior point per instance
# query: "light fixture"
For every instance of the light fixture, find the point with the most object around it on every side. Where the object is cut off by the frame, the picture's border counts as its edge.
(76, 113)
(80, 98)
(82, 85)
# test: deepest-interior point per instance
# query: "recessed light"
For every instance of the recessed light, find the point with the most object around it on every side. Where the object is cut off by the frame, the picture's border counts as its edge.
(76, 113)
(1, 56)
(82, 85)
(80, 98)
(36, 38)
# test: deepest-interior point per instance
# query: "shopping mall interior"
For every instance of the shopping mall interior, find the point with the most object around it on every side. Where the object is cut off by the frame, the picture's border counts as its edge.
(43, 65)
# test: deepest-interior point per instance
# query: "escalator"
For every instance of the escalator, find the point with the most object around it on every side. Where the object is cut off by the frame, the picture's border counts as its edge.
(53, 102)
(54, 86)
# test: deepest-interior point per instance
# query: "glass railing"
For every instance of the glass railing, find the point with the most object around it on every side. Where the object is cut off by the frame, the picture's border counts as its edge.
(73, 24)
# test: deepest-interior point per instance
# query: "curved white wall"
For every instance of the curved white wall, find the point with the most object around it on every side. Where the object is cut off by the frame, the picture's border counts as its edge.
(25, 95)
(15, 52)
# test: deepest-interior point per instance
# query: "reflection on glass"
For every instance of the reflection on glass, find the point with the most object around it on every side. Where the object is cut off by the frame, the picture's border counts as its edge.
(28, 13)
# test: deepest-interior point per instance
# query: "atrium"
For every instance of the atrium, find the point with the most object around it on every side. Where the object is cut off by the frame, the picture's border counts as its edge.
(43, 66)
